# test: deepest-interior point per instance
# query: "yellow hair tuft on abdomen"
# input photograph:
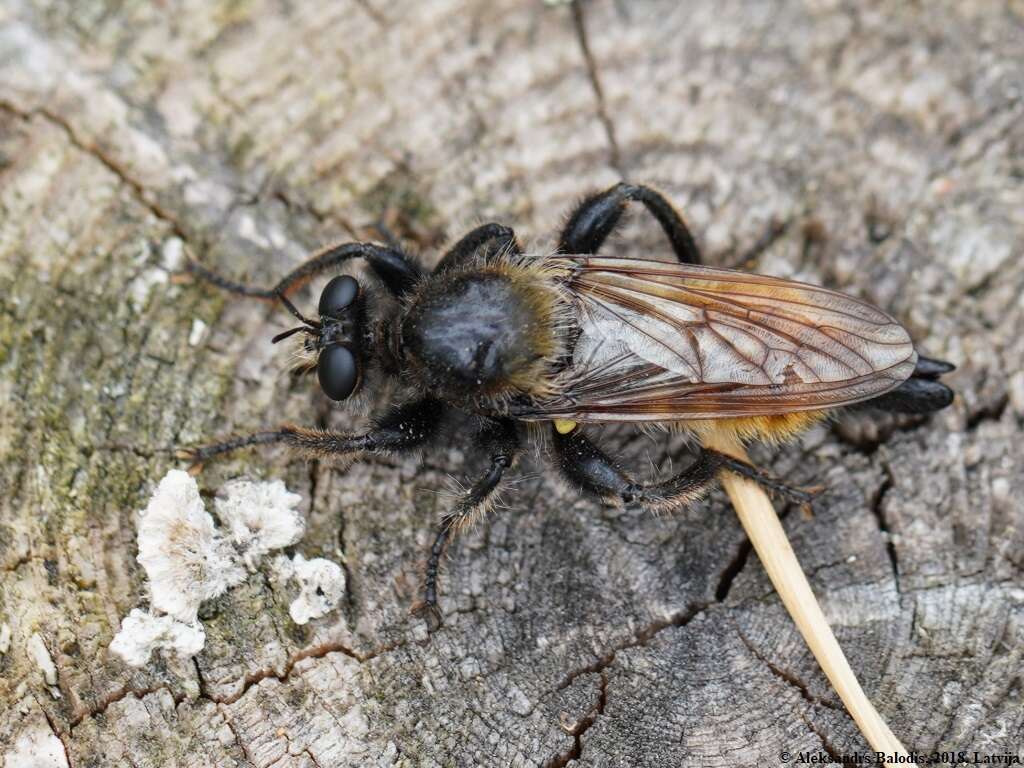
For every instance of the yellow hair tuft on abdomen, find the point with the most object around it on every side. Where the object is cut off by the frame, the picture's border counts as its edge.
(779, 428)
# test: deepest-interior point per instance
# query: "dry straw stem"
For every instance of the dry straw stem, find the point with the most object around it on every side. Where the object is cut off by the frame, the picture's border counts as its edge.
(769, 539)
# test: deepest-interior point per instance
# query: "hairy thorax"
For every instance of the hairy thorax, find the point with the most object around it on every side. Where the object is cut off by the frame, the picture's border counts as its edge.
(480, 336)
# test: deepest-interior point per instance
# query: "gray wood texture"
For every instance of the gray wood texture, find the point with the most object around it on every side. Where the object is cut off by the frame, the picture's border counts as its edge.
(886, 137)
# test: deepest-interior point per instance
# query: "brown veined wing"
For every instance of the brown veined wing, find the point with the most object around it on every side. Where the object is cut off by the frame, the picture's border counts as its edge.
(666, 341)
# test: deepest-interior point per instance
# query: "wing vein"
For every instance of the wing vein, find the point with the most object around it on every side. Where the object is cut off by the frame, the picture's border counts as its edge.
(689, 342)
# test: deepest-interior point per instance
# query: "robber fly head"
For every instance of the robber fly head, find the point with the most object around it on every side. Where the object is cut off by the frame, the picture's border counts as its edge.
(336, 340)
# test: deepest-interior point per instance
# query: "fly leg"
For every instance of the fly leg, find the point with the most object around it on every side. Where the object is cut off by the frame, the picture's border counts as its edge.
(801, 496)
(499, 438)
(587, 467)
(597, 216)
(402, 429)
(485, 243)
(396, 270)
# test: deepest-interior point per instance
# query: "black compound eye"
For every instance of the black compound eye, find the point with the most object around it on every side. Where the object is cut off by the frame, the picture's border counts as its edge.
(338, 295)
(337, 371)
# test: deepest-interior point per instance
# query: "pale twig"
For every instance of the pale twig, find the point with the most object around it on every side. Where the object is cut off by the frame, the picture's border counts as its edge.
(762, 525)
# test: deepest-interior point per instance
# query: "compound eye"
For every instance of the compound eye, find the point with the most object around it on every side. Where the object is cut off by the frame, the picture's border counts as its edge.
(338, 295)
(337, 371)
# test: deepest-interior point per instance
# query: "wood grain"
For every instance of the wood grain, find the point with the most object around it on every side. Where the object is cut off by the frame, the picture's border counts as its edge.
(885, 140)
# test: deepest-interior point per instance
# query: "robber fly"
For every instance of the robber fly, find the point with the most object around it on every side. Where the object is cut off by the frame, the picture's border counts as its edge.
(559, 341)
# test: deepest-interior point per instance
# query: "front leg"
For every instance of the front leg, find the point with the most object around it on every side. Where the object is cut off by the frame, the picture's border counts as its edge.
(396, 270)
(499, 438)
(402, 429)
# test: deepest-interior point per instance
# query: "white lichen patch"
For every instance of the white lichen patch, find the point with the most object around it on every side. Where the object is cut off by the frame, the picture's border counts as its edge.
(188, 559)
(185, 559)
(36, 747)
(321, 586)
(198, 332)
(260, 517)
(38, 652)
(142, 633)
(172, 254)
(142, 286)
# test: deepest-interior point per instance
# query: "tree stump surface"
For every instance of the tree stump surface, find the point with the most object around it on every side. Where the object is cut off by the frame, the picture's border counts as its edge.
(885, 140)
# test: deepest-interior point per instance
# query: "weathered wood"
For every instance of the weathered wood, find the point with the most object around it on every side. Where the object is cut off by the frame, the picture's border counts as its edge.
(886, 137)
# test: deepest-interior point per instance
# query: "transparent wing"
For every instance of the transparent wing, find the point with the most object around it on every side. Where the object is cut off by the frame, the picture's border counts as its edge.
(662, 341)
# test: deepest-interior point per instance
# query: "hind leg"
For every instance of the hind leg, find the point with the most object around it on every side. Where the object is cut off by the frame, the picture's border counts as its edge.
(589, 468)
(597, 216)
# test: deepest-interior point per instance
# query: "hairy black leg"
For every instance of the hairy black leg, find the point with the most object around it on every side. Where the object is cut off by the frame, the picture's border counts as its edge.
(486, 242)
(395, 269)
(921, 393)
(591, 469)
(588, 467)
(389, 237)
(499, 438)
(596, 217)
(403, 428)
(766, 481)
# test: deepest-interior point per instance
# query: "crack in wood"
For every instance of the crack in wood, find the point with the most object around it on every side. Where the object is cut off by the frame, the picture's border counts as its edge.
(312, 652)
(644, 636)
(94, 151)
(581, 726)
(379, 18)
(53, 728)
(288, 753)
(792, 680)
(241, 745)
(786, 676)
(310, 210)
(615, 156)
(733, 569)
(249, 680)
(876, 506)
(119, 694)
